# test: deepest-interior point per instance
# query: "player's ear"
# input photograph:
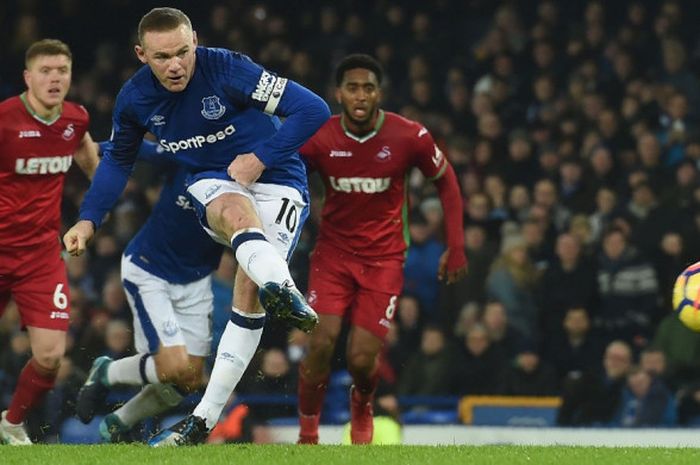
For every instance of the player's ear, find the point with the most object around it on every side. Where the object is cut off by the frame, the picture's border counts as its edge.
(194, 38)
(26, 77)
(140, 53)
(337, 95)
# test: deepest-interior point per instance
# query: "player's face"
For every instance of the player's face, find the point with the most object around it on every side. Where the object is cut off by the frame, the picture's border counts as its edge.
(359, 94)
(171, 56)
(48, 80)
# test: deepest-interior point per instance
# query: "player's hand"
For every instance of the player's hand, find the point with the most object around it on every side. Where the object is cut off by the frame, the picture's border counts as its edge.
(453, 265)
(245, 169)
(77, 237)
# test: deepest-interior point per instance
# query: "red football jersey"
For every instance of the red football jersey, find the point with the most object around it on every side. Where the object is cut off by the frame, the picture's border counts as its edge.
(365, 209)
(34, 157)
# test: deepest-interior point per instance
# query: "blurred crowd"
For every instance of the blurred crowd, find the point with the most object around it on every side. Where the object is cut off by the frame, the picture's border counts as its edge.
(573, 127)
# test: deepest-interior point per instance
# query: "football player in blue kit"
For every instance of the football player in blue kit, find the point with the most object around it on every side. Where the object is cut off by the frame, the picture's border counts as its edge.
(166, 271)
(215, 112)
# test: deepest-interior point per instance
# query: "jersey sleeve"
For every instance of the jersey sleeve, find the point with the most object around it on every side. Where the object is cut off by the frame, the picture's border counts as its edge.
(118, 158)
(310, 151)
(84, 120)
(428, 156)
(127, 132)
(253, 86)
(149, 151)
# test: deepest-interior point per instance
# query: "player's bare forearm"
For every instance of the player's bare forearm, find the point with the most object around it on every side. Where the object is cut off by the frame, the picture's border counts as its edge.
(245, 169)
(77, 237)
(87, 155)
(454, 261)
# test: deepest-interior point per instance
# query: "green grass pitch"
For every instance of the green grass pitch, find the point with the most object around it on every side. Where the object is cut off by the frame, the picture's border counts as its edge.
(339, 455)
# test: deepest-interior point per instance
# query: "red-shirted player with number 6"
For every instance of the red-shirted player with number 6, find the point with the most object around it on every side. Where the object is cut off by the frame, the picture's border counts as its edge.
(364, 156)
(40, 135)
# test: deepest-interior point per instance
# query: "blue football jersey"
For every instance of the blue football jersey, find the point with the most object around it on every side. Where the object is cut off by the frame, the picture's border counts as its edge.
(171, 244)
(229, 107)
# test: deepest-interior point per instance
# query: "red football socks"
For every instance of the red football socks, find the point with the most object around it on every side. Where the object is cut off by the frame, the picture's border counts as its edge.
(33, 383)
(311, 397)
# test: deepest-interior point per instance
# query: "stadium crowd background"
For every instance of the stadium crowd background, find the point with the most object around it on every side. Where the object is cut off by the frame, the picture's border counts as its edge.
(573, 127)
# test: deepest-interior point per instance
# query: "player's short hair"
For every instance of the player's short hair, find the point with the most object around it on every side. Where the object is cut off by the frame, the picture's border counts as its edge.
(358, 60)
(47, 47)
(162, 19)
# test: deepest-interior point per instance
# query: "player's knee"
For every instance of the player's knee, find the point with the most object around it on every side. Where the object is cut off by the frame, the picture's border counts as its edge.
(48, 360)
(228, 215)
(322, 344)
(361, 362)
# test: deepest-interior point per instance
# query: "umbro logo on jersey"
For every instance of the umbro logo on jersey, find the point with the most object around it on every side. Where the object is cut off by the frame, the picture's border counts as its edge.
(422, 132)
(29, 134)
(158, 120)
(340, 154)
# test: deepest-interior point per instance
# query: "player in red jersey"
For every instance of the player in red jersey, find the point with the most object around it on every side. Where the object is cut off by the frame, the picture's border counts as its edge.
(40, 135)
(364, 156)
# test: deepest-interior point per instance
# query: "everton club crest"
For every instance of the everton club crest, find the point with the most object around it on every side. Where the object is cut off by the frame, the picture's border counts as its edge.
(212, 107)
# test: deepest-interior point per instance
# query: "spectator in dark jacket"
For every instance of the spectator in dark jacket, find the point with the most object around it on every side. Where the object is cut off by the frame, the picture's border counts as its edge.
(569, 281)
(646, 402)
(428, 370)
(593, 398)
(528, 375)
(574, 348)
(628, 291)
(479, 367)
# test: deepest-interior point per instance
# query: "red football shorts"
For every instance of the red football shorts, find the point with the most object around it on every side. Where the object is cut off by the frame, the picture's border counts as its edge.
(363, 290)
(36, 278)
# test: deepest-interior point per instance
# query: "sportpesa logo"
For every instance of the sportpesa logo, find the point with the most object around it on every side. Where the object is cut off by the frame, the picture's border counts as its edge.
(357, 184)
(198, 141)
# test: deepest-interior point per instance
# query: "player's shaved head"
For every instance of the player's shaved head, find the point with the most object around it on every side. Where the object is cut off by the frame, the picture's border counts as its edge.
(361, 61)
(162, 19)
(46, 47)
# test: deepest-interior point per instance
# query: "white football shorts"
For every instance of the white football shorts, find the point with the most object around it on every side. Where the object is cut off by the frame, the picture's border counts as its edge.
(168, 314)
(281, 209)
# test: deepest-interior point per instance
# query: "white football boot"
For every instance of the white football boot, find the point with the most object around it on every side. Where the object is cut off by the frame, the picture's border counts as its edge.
(11, 434)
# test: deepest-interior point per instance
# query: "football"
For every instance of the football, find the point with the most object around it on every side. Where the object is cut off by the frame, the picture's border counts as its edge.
(686, 297)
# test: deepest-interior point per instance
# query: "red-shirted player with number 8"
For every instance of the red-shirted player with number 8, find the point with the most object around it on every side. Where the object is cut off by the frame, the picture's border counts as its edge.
(364, 156)
(40, 135)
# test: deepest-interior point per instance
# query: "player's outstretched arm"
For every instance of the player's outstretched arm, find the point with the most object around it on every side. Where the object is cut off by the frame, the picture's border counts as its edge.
(78, 236)
(453, 262)
(87, 155)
